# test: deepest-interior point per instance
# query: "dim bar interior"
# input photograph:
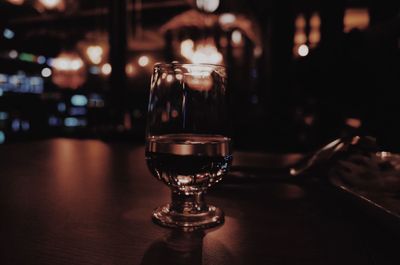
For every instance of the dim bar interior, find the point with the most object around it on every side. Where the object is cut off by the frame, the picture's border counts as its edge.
(300, 75)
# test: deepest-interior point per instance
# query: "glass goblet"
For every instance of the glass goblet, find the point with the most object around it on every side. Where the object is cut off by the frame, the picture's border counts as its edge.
(187, 140)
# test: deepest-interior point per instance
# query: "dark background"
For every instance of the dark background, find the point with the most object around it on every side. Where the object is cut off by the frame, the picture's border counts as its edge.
(281, 101)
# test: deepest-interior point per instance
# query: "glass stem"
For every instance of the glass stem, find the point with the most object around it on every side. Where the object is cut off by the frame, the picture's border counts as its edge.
(188, 203)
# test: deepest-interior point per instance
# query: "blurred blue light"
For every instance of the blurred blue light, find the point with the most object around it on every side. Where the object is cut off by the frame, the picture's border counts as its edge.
(41, 59)
(61, 107)
(8, 34)
(1, 92)
(77, 111)
(94, 70)
(54, 121)
(25, 125)
(79, 100)
(2, 137)
(3, 116)
(15, 125)
(71, 122)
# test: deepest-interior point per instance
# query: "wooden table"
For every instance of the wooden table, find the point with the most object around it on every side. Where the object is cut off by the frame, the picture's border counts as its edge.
(66, 201)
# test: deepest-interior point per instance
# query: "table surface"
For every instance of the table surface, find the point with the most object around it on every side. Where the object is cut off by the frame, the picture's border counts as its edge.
(66, 201)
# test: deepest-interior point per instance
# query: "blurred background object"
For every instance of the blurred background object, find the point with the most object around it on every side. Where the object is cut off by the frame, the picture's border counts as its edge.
(301, 73)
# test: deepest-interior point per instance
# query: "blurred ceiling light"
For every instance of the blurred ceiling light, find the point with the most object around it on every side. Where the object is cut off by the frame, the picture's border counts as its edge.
(353, 122)
(13, 54)
(314, 37)
(237, 37)
(204, 53)
(207, 54)
(106, 69)
(16, 2)
(8, 33)
(46, 72)
(170, 78)
(95, 53)
(315, 20)
(130, 70)
(355, 18)
(67, 63)
(303, 50)
(300, 22)
(143, 60)
(300, 37)
(68, 70)
(227, 18)
(187, 48)
(50, 4)
(207, 5)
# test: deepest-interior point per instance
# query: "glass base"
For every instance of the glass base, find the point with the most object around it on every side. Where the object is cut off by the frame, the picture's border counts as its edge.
(211, 217)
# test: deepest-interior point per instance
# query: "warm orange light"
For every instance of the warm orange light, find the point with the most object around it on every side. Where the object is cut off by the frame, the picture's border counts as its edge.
(50, 4)
(95, 53)
(130, 70)
(355, 18)
(353, 122)
(16, 2)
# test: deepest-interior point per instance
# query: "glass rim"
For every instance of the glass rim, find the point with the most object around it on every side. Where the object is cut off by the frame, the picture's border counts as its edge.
(165, 64)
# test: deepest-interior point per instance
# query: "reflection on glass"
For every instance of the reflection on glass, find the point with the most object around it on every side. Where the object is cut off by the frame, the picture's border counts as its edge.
(188, 145)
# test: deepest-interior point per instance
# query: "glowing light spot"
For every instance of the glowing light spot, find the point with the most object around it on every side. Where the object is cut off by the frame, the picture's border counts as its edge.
(300, 37)
(67, 62)
(50, 4)
(179, 77)
(106, 69)
(94, 70)
(187, 47)
(79, 100)
(355, 18)
(41, 59)
(71, 122)
(237, 37)
(15, 125)
(46, 72)
(3, 116)
(300, 22)
(27, 57)
(2, 137)
(309, 120)
(130, 70)
(315, 21)
(227, 18)
(95, 54)
(61, 107)
(353, 122)
(143, 60)
(8, 34)
(25, 125)
(207, 54)
(174, 113)
(207, 5)
(13, 54)
(303, 50)
(16, 2)
(170, 78)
